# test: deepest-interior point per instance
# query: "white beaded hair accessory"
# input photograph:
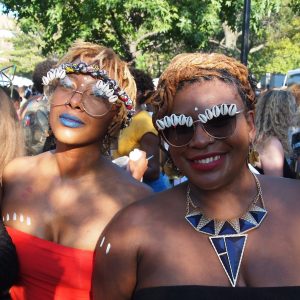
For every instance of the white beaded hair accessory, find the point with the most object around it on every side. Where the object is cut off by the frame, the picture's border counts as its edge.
(216, 111)
(209, 113)
(174, 120)
(105, 87)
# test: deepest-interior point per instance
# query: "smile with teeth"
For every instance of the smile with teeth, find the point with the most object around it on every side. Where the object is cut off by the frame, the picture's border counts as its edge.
(207, 160)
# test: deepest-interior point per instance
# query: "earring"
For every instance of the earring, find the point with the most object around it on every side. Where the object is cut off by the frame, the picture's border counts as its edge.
(106, 145)
(253, 155)
(171, 170)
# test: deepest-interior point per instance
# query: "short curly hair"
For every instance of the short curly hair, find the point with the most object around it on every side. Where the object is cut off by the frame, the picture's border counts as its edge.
(143, 82)
(295, 89)
(41, 70)
(192, 67)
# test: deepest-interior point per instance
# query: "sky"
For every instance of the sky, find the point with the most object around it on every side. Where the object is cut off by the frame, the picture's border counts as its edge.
(2, 8)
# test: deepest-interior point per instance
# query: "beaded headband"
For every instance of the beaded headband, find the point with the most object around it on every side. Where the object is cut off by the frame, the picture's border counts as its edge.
(209, 113)
(109, 87)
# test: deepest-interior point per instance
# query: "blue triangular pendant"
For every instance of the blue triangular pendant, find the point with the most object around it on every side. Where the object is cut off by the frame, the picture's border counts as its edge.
(230, 250)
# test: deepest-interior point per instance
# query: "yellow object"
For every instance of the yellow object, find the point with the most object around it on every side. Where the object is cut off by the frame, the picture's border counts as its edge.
(130, 136)
(253, 156)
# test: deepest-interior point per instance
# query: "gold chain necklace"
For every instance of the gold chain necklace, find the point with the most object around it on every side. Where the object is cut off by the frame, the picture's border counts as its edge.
(228, 237)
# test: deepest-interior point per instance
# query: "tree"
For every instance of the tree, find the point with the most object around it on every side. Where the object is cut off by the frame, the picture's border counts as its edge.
(122, 25)
(282, 47)
(26, 53)
(22, 50)
(295, 6)
(144, 31)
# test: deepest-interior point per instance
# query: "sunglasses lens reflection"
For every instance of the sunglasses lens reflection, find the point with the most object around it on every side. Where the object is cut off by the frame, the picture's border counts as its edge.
(93, 105)
(179, 135)
(219, 128)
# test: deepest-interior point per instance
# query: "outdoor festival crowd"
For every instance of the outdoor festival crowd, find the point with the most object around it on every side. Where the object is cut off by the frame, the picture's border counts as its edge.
(113, 188)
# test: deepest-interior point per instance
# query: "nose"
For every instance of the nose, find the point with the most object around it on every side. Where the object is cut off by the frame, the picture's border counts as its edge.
(75, 100)
(201, 139)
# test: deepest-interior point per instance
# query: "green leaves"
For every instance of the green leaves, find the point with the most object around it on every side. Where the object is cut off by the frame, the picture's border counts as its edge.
(151, 32)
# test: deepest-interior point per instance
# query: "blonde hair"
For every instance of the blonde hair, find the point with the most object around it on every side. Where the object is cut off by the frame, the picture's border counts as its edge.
(275, 113)
(295, 89)
(195, 67)
(11, 135)
(117, 69)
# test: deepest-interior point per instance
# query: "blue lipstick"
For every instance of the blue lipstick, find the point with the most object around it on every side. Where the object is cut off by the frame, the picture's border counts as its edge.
(70, 121)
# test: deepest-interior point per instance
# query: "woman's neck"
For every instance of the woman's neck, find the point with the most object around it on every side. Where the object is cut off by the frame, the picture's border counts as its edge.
(227, 202)
(76, 161)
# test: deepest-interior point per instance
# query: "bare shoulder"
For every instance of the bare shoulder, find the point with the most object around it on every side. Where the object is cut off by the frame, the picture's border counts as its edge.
(145, 215)
(22, 166)
(18, 173)
(122, 244)
(273, 143)
(126, 185)
(284, 191)
(17, 166)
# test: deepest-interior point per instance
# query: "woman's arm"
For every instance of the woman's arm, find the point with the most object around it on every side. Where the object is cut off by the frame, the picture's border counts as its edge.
(272, 158)
(137, 164)
(150, 144)
(115, 260)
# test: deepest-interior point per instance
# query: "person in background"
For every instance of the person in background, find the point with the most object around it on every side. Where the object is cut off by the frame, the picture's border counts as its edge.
(142, 135)
(223, 234)
(35, 114)
(15, 97)
(295, 89)
(11, 146)
(11, 135)
(57, 203)
(294, 132)
(275, 115)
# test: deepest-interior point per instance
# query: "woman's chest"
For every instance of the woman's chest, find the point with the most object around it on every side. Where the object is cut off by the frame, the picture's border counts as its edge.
(250, 259)
(70, 214)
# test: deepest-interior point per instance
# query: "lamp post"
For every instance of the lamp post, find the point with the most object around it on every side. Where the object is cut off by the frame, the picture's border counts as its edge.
(245, 34)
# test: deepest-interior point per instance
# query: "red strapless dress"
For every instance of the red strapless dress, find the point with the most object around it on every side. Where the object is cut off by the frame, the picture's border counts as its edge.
(49, 271)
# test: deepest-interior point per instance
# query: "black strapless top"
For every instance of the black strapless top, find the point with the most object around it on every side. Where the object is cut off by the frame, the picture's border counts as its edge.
(194, 292)
(8, 262)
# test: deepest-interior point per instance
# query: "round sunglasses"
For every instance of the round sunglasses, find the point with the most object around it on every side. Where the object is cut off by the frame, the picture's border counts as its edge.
(220, 127)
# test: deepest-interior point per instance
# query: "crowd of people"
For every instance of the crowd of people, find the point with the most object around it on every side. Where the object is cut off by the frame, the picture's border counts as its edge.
(90, 209)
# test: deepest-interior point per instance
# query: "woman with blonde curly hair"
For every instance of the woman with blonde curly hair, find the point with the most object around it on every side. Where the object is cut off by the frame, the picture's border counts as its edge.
(223, 234)
(11, 137)
(275, 114)
(12, 146)
(57, 203)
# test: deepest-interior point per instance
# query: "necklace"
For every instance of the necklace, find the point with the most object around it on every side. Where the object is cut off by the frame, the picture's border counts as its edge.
(228, 237)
